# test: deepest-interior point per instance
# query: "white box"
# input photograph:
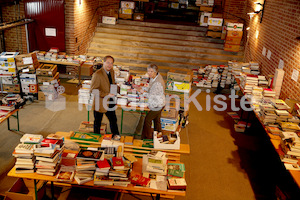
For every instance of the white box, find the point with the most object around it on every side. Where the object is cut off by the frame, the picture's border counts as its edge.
(179, 86)
(158, 145)
(215, 21)
(127, 4)
(204, 15)
(109, 20)
(169, 124)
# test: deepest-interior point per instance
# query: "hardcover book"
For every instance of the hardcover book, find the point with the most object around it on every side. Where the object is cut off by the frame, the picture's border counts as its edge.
(90, 155)
(93, 137)
(117, 162)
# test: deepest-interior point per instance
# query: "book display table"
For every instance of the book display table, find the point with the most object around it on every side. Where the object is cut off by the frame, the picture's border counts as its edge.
(274, 140)
(137, 169)
(15, 114)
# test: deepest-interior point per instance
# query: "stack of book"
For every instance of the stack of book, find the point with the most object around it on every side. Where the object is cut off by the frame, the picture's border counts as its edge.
(86, 164)
(262, 81)
(25, 160)
(268, 114)
(31, 138)
(120, 171)
(289, 126)
(269, 93)
(248, 82)
(254, 68)
(176, 176)
(48, 153)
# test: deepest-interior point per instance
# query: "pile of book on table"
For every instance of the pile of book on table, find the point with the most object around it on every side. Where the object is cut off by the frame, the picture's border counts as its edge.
(158, 173)
(35, 153)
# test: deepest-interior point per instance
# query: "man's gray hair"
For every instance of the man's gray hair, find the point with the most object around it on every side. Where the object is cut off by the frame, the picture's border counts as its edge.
(153, 66)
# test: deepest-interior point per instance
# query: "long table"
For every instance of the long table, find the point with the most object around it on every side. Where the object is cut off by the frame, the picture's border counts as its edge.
(275, 142)
(11, 114)
(137, 169)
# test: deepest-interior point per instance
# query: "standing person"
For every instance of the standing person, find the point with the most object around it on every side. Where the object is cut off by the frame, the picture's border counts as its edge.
(156, 101)
(101, 80)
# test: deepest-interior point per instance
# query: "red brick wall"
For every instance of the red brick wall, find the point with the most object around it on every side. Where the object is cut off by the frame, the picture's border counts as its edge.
(277, 33)
(78, 18)
(15, 38)
(234, 9)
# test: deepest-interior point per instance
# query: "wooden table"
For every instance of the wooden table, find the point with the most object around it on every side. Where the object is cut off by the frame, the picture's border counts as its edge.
(11, 114)
(137, 169)
(276, 142)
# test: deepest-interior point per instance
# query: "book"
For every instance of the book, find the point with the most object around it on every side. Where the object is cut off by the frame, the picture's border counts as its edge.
(103, 164)
(65, 174)
(82, 180)
(130, 157)
(107, 136)
(102, 180)
(117, 162)
(93, 137)
(176, 166)
(140, 180)
(175, 172)
(24, 148)
(177, 184)
(90, 155)
(31, 138)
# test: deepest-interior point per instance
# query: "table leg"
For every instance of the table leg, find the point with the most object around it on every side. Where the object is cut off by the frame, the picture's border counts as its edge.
(88, 115)
(157, 197)
(122, 121)
(52, 190)
(35, 190)
(8, 124)
(18, 120)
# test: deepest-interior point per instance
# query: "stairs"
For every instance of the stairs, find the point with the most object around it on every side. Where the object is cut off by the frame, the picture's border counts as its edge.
(178, 47)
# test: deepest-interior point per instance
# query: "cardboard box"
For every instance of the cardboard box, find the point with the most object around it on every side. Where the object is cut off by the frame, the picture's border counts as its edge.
(86, 70)
(213, 34)
(28, 83)
(41, 96)
(214, 28)
(233, 40)
(27, 59)
(206, 8)
(169, 124)
(9, 80)
(215, 21)
(158, 145)
(125, 16)
(173, 76)
(234, 26)
(231, 47)
(20, 191)
(42, 79)
(15, 88)
(138, 16)
(174, 5)
(109, 20)
(217, 15)
(127, 11)
(46, 70)
(128, 4)
(171, 113)
(237, 34)
(178, 86)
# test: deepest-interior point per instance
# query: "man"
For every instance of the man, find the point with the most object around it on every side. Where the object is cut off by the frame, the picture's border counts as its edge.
(101, 81)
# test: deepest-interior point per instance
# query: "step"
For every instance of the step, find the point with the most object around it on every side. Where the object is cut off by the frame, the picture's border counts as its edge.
(157, 35)
(161, 25)
(157, 40)
(152, 29)
(142, 59)
(152, 51)
(160, 46)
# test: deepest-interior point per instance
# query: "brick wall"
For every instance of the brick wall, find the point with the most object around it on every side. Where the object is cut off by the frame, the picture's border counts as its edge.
(234, 9)
(15, 38)
(78, 18)
(109, 8)
(277, 33)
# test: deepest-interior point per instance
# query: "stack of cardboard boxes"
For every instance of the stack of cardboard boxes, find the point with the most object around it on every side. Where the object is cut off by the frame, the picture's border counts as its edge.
(126, 10)
(47, 76)
(26, 65)
(215, 23)
(8, 73)
(234, 34)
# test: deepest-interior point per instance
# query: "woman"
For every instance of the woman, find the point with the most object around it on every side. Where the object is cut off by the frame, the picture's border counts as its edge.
(156, 101)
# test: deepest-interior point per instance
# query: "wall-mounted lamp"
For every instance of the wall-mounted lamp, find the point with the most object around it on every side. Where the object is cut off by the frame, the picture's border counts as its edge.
(79, 2)
(258, 11)
(248, 28)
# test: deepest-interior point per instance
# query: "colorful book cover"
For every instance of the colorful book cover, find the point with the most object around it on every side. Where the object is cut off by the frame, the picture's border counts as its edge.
(90, 154)
(103, 164)
(93, 137)
(174, 172)
(117, 162)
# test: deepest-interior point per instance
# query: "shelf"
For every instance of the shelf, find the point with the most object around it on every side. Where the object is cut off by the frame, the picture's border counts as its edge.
(59, 62)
